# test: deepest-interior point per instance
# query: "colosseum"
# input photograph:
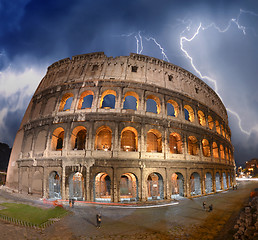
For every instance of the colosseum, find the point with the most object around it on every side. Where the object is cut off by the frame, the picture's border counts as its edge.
(129, 128)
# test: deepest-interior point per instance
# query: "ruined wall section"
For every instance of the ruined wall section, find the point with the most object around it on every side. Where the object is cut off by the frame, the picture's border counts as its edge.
(148, 70)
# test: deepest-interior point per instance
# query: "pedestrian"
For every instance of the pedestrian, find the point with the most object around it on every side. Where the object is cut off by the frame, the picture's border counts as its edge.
(72, 202)
(210, 208)
(98, 216)
(204, 205)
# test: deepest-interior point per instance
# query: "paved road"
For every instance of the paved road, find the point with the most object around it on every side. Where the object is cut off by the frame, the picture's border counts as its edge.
(186, 220)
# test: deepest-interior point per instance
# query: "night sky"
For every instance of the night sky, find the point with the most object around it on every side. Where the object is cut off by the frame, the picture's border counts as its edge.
(215, 39)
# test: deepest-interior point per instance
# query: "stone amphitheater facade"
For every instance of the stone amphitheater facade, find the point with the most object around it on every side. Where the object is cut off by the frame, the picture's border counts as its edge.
(129, 128)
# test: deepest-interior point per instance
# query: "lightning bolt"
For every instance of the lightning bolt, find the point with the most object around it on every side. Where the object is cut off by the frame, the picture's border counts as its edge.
(184, 39)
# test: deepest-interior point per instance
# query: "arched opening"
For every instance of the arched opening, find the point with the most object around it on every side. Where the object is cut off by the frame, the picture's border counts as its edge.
(129, 139)
(201, 118)
(154, 141)
(172, 108)
(222, 130)
(66, 102)
(206, 148)
(85, 101)
(108, 99)
(215, 150)
(54, 190)
(155, 186)
(131, 101)
(78, 138)
(103, 139)
(217, 180)
(226, 153)
(192, 145)
(102, 188)
(222, 153)
(177, 182)
(189, 113)
(153, 104)
(195, 184)
(229, 181)
(175, 143)
(210, 122)
(76, 187)
(217, 126)
(208, 182)
(128, 187)
(224, 176)
(57, 139)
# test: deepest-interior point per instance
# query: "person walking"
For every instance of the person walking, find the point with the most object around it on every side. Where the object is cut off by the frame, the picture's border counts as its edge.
(210, 208)
(98, 216)
(204, 205)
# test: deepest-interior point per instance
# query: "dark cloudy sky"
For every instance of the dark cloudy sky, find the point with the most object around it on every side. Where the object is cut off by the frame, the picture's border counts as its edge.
(36, 33)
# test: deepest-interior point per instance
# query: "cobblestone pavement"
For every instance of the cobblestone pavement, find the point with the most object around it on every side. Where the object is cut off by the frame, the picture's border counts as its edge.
(185, 220)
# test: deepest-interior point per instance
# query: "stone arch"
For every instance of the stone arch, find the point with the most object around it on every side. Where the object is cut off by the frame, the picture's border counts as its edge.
(24, 185)
(210, 122)
(103, 139)
(76, 186)
(85, 100)
(50, 106)
(206, 148)
(154, 141)
(128, 187)
(193, 145)
(78, 138)
(40, 143)
(215, 150)
(66, 102)
(150, 105)
(217, 181)
(224, 178)
(229, 180)
(37, 183)
(208, 183)
(177, 182)
(27, 144)
(108, 99)
(129, 139)
(57, 141)
(217, 126)
(222, 130)
(54, 185)
(195, 184)
(201, 118)
(131, 101)
(172, 108)
(189, 113)
(102, 187)
(221, 151)
(175, 143)
(155, 186)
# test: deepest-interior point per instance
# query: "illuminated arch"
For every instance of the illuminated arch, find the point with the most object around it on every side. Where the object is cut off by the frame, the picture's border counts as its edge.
(226, 153)
(102, 187)
(217, 126)
(195, 184)
(131, 101)
(208, 183)
(189, 113)
(222, 130)
(103, 139)
(83, 102)
(129, 139)
(206, 148)
(177, 182)
(210, 122)
(66, 102)
(57, 139)
(105, 104)
(78, 138)
(128, 187)
(193, 145)
(215, 150)
(175, 143)
(149, 104)
(222, 153)
(174, 108)
(201, 118)
(154, 141)
(155, 186)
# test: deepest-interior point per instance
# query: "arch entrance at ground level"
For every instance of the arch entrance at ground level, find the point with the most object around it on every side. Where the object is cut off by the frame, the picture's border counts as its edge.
(155, 186)
(208, 182)
(225, 186)
(177, 182)
(102, 188)
(217, 180)
(54, 186)
(128, 187)
(195, 184)
(76, 188)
